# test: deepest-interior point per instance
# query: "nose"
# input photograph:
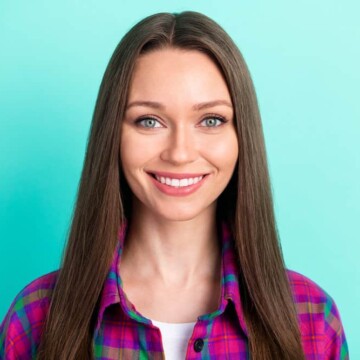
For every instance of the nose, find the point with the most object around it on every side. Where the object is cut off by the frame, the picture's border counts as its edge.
(181, 147)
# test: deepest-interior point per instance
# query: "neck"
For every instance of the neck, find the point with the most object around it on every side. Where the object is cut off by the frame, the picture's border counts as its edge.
(177, 253)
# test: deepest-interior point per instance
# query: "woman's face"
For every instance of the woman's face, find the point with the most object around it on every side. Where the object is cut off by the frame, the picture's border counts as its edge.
(178, 145)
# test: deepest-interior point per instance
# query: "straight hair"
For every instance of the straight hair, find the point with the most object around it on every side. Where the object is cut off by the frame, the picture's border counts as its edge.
(104, 201)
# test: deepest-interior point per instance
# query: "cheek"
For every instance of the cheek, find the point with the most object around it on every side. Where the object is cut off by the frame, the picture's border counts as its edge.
(133, 153)
(124, 153)
(130, 154)
(224, 153)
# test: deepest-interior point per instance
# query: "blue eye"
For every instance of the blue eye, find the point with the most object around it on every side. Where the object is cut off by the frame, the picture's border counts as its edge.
(148, 123)
(213, 121)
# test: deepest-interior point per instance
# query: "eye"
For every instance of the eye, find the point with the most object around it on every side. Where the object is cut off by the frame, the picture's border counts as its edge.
(213, 121)
(148, 122)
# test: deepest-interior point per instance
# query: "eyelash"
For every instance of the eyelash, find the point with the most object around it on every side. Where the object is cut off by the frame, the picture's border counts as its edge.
(140, 120)
(216, 117)
(149, 117)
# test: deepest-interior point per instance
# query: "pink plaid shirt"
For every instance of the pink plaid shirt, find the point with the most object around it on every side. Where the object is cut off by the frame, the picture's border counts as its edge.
(123, 333)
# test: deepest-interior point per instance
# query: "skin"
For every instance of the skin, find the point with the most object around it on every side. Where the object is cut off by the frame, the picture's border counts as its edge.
(172, 255)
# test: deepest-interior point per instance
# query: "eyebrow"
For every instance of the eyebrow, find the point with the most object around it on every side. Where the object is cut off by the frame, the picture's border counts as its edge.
(200, 106)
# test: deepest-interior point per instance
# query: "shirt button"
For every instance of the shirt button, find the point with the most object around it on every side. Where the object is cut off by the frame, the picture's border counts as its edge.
(198, 345)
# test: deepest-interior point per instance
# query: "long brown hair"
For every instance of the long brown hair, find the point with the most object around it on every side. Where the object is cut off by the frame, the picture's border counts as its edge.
(103, 202)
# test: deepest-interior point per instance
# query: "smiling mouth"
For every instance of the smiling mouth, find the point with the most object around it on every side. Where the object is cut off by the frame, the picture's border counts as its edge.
(178, 183)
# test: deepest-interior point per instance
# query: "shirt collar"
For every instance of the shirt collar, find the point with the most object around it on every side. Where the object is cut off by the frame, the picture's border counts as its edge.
(112, 292)
(230, 275)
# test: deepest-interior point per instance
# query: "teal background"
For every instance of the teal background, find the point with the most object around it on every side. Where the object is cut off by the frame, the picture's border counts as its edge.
(304, 58)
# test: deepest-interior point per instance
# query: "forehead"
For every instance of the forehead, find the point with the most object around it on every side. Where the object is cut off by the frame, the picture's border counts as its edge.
(176, 74)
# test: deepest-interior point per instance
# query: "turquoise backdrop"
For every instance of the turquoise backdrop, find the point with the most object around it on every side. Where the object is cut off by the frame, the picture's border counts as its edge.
(304, 57)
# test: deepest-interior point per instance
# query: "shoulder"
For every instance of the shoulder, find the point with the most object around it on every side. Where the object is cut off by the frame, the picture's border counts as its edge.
(319, 319)
(305, 289)
(21, 328)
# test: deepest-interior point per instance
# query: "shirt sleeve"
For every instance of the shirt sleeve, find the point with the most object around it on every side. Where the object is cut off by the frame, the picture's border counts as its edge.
(335, 345)
(7, 334)
(20, 330)
(15, 332)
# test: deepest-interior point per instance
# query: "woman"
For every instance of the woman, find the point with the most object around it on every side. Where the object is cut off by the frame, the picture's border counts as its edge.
(173, 245)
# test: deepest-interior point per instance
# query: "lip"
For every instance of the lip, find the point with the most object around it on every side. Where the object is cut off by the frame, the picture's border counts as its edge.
(176, 176)
(177, 191)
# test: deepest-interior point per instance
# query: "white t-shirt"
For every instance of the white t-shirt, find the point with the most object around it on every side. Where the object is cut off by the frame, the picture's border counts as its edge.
(175, 338)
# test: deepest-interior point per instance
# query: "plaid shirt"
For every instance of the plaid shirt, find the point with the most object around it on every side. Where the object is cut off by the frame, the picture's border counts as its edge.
(123, 333)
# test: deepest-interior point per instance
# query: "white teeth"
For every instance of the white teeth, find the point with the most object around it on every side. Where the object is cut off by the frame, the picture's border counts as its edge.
(178, 182)
(184, 182)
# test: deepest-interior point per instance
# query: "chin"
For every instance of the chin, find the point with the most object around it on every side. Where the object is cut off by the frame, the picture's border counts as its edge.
(185, 214)
(182, 217)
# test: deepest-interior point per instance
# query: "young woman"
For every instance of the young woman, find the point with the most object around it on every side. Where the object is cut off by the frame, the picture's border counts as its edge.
(173, 247)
